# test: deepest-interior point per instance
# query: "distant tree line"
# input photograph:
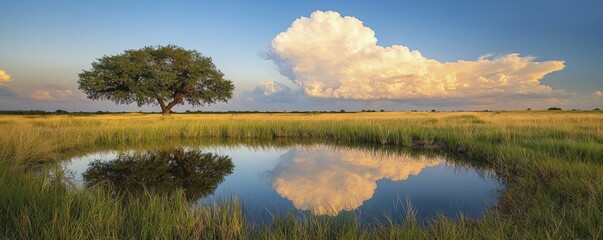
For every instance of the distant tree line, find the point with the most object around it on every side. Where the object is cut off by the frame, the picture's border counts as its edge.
(373, 110)
(63, 112)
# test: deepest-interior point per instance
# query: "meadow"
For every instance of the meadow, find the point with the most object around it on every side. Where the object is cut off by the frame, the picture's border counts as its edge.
(550, 161)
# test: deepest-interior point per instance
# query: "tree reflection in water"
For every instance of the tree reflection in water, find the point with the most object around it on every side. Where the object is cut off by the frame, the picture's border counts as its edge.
(162, 172)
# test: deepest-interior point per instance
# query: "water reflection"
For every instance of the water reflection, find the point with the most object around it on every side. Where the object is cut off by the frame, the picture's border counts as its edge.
(162, 171)
(323, 179)
(327, 179)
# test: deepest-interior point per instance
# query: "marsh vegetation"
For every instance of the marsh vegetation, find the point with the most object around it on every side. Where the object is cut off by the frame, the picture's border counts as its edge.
(550, 163)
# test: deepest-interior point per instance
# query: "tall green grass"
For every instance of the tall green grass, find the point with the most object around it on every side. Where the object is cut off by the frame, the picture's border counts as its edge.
(33, 209)
(550, 162)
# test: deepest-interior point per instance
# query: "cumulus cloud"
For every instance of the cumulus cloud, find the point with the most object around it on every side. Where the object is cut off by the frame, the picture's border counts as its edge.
(598, 94)
(327, 180)
(4, 77)
(330, 56)
(51, 94)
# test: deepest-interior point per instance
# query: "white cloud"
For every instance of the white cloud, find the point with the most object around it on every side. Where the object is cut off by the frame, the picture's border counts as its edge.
(598, 94)
(270, 88)
(272, 92)
(4, 77)
(327, 180)
(331, 56)
(51, 94)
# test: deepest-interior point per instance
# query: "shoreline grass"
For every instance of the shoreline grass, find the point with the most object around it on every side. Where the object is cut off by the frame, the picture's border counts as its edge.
(551, 163)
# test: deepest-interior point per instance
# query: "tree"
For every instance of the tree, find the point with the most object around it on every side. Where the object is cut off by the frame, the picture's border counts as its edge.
(163, 75)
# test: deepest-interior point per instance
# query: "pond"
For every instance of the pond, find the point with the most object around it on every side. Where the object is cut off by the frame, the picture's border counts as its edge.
(318, 179)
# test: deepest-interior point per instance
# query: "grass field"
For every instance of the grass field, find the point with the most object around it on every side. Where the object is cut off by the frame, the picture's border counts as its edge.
(551, 163)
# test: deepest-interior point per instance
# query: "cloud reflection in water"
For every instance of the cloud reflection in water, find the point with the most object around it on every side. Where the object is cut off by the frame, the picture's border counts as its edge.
(328, 179)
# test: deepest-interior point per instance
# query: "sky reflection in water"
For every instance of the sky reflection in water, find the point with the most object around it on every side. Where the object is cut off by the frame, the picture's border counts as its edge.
(328, 180)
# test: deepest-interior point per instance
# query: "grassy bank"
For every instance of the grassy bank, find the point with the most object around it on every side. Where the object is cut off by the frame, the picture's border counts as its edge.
(550, 161)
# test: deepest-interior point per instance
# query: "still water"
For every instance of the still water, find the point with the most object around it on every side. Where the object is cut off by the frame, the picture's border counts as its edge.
(308, 179)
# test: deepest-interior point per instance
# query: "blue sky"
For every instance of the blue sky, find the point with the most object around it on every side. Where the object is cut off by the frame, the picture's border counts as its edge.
(45, 44)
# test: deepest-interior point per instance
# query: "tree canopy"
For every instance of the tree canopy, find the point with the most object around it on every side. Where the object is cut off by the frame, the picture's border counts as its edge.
(163, 75)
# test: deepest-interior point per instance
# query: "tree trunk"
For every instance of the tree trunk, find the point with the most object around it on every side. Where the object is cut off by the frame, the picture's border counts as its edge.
(164, 109)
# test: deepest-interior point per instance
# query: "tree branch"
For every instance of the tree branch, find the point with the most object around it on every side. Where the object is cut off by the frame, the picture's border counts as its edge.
(177, 100)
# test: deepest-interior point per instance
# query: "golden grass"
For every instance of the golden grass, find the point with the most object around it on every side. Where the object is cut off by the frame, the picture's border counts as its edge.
(551, 162)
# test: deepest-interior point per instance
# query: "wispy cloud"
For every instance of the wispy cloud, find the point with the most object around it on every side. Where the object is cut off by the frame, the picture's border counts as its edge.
(6, 92)
(272, 92)
(51, 94)
(330, 56)
(11, 100)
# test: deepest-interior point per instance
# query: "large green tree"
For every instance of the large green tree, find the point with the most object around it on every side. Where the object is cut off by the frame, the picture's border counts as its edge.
(163, 75)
